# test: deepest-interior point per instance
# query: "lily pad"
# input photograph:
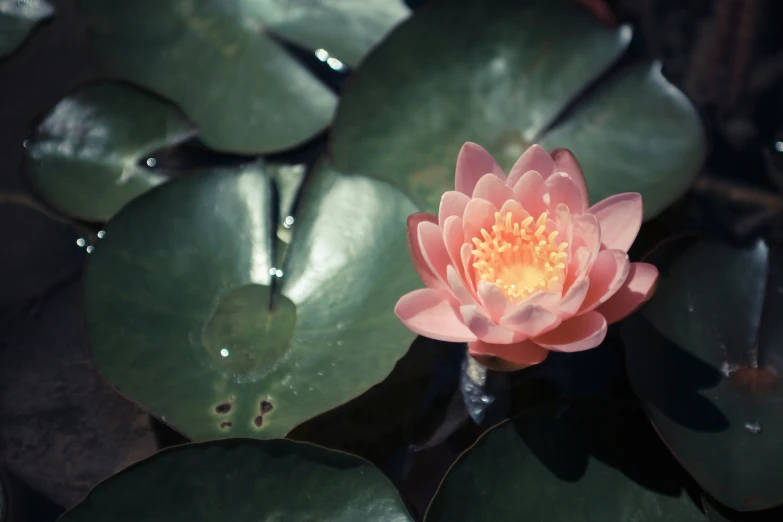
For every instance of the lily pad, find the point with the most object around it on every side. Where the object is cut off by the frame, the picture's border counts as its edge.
(244, 481)
(184, 317)
(91, 153)
(566, 462)
(717, 513)
(501, 73)
(226, 66)
(17, 19)
(706, 357)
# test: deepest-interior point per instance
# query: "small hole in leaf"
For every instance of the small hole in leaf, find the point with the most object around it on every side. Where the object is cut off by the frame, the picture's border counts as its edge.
(223, 408)
(258, 421)
(265, 407)
(225, 425)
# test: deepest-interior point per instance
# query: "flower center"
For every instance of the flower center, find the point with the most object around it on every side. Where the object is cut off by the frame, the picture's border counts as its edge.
(520, 258)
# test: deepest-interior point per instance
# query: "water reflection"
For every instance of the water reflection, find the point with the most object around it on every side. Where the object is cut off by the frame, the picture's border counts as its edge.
(331, 61)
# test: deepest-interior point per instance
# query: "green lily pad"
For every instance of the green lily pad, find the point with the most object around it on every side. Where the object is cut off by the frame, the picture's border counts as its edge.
(500, 73)
(706, 357)
(566, 462)
(17, 19)
(178, 297)
(86, 158)
(225, 65)
(244, 481)
(717, 513)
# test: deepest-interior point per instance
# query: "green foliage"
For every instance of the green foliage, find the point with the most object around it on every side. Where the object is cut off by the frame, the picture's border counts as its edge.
(244, 481)
(705, 358)
(504, 74)
(188, 315)
(17, 19)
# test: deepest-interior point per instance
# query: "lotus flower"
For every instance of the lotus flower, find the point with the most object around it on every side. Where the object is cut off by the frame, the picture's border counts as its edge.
(521, 265)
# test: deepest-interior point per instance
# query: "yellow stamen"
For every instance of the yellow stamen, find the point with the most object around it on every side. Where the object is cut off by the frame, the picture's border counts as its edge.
(520, 258)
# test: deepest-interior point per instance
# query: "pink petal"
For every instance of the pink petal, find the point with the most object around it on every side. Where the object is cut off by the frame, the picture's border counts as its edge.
(466, 254)
(563, 190)
(638, 288)
(576, 334)
(620, 217)
(482, 327)
(453, 238)
(479, 214)
(458, 288)
(529, 191)
(432, 314)
(574, 297)
(534, 158)
(566, 162)
(518, 214)
(491, 188)
(522, 354)
(426, 274)
(494, 300)
(433, 249)
(606, 277)
(472, 163)
(587, 234)
(533, 317)
(452, 203)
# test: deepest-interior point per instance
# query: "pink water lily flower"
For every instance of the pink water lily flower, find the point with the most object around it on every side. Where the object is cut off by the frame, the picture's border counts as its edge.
(521, 265)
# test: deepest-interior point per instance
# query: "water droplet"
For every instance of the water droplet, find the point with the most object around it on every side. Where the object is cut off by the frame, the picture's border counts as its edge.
(288, 222)
(26, 143)
(690, 307)
(151, 162)
(339, 343)
(486, 399)
(224, 352)
(279, 273)
(779, 146)
(90, 249)
(101, 234)
(753, 427)
(340, 326)
(81, 242)
(320, 374)
(728, 368)
(272, 271)
(335, 64)
(322, 54)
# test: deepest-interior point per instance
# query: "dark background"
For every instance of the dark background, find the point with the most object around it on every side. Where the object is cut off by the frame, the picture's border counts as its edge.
(62, 429)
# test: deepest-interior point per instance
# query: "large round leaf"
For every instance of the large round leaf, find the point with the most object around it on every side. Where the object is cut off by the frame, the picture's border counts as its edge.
(244, 481)
(566, 463)
(499, 72)
(178, 297)
(706, 356)
(87, 157)
(224, 64)
(717, 513)
(17, 18)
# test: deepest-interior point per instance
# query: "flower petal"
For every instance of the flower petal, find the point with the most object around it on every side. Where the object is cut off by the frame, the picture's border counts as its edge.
(482, 327)
(529, 191)
(518, 214)
(472, 163)
(576, 334)
(531, 318)
(563, 190)
(479, 214)
(432, 314)
(452, 203)
(606, 277)
(466, 254)
(426, 274)
(433, 249)
(453, 238)
(620, 217)
(491, 188)
(521, 354)
(494, 300)
(566, 162)
(534, 158)
(574, 297)
(458, 288)
(638, 288)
